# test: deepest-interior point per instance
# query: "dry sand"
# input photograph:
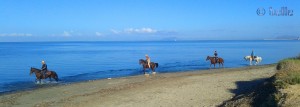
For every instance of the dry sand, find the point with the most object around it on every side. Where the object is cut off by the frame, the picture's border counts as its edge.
(203, 88)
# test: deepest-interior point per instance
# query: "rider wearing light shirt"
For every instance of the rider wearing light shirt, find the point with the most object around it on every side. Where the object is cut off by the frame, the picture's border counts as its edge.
(148, 60)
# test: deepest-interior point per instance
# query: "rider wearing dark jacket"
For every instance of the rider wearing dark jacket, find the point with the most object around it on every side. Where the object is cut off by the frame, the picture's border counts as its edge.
(216, 56)
(44, 68)
(253, 55)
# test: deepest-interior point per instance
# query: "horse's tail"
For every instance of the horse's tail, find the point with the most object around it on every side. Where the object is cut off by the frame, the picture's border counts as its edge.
(156, 65)
(221, 60)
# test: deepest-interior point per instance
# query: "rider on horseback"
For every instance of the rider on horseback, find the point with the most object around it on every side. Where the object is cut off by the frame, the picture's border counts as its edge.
(216, 56)
(148, 60)
(44, 68)
(253, 55)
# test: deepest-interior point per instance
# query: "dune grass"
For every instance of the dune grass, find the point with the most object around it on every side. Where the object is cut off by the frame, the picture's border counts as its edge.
(270, 94)
(288, 72)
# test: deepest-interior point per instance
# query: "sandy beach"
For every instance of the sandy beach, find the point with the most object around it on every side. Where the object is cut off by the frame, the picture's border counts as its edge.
(204, 88)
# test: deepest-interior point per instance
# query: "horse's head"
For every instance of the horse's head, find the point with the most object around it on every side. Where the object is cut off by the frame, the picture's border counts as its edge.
(31, 70)
(247, 58)
(141, 61)
(34, 70)
(207, 58)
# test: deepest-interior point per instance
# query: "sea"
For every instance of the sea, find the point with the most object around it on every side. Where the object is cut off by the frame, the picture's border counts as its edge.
(85, 61)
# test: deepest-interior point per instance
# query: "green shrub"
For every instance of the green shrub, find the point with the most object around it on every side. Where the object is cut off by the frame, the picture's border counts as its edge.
(280, 84)
(294, 79)
(298, 57)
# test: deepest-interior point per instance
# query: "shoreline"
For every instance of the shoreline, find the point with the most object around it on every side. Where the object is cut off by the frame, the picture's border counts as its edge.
(46, 85)
(85, 91)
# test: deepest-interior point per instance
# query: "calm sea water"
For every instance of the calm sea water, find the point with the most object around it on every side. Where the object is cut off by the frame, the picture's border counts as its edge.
(80, 61)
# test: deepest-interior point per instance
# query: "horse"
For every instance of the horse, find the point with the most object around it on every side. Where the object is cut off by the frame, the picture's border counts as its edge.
(213, 61)
(39, 76)
(145, 65)
(257, 59)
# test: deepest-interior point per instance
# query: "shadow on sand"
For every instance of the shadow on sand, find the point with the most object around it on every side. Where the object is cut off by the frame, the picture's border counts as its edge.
(253, 93)
(246, 86)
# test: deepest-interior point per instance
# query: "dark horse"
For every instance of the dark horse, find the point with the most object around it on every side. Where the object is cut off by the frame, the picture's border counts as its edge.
(39, 76)
(145, 65)
(213, 61)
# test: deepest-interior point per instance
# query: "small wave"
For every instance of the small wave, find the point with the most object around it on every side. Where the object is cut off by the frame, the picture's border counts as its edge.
(25, 85)
(101, 75)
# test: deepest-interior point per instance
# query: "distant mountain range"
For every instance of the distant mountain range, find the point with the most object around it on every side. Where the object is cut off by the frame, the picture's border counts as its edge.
(285, 38)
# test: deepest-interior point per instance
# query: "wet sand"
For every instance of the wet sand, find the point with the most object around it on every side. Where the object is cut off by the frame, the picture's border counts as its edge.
(192, 88)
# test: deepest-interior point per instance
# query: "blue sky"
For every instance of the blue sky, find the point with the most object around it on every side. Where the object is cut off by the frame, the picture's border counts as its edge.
(139, 20)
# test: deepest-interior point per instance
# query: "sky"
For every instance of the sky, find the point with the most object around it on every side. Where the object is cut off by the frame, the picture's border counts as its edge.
(145, 20)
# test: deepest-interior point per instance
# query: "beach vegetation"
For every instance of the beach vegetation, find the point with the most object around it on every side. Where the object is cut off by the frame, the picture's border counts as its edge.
(288, 72)
(273, 92)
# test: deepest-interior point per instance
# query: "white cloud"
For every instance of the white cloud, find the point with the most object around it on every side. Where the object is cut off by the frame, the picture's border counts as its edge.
(15, 34)
(115, 31)
(135, 31)
(66, 33)
(141, 30)
(98, 34)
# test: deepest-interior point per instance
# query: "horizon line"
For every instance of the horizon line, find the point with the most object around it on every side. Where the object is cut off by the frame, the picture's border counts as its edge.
(154, 40)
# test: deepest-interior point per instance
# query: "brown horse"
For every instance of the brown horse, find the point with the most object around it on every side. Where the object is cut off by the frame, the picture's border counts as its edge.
(39, 76)
(213, 61)
(145, 65)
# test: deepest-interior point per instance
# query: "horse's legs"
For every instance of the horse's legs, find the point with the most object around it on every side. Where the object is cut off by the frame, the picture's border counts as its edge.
(50, 78)
(53, 76)
(37, 81)
(153, 71)
(56, 79)
(146, 75)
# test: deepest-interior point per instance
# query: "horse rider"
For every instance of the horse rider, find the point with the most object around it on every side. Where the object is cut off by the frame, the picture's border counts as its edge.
(252, 55)
(148, 60)
(44, 68)
(216, 56)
